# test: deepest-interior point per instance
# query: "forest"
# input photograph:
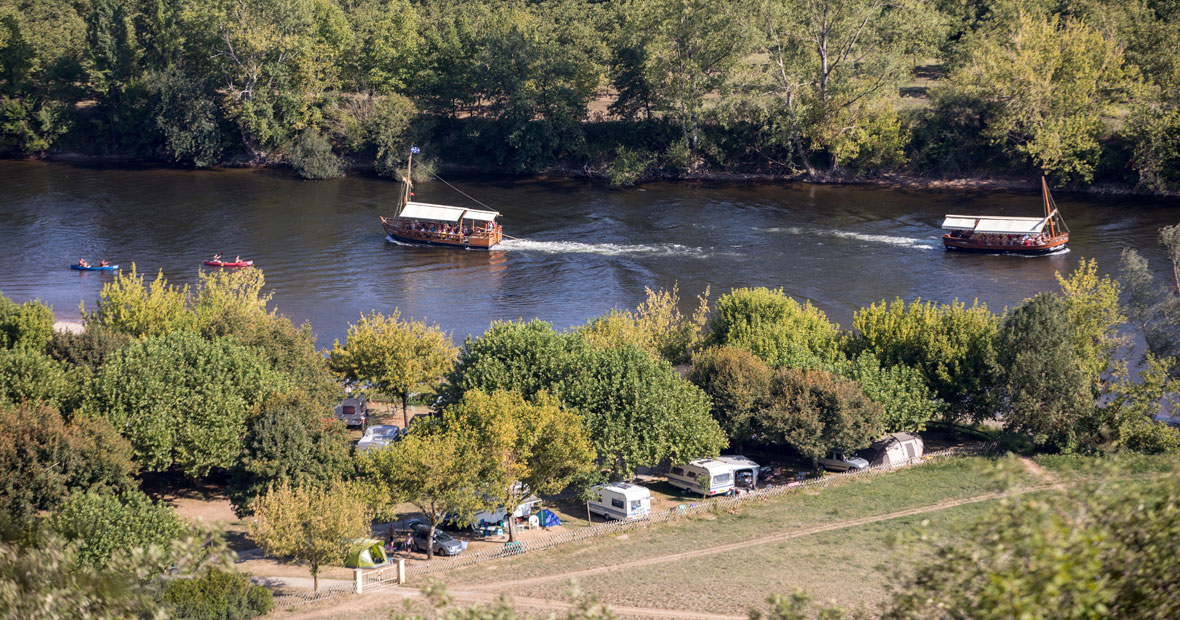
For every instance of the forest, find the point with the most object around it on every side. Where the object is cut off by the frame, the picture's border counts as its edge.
(1086, 92)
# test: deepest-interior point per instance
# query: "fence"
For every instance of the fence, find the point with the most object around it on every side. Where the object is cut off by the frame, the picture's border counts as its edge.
(679, 512)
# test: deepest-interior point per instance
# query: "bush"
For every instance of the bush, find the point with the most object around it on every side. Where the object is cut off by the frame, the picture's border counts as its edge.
(627, 167)
(1143, 435)
(24, 326)
(89, 348)
(217, 595)
(312, 156)
(106, 524)
(27, 375)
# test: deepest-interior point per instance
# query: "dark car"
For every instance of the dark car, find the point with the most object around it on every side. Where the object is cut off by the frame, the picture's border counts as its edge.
(444, 543)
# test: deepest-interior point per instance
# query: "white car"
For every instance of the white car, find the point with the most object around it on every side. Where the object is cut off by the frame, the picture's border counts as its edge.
(379, 436)
(839, 460)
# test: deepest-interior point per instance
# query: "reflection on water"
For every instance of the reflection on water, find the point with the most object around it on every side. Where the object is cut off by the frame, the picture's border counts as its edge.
(578, 248)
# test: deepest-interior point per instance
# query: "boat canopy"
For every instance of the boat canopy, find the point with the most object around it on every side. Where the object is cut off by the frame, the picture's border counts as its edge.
(445, 213)
(989, 224)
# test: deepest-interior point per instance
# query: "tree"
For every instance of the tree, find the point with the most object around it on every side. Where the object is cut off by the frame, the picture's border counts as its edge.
(35, 377)
(1092, 551)
(393, 355)
(1136, 403)
(736, 382)
(125, 305)
(775, 327)
(638, 410)
(217, 595)
(107, 524)
(1046, 83)
(26, 326)
(44, 458)
(829, 65)
(952, 346)
(182, 400)
(1092, 305)
(525, 447)
(901, 391)
(439, 473)
(313, 525)
(523, 357)
(656, 326)
(1042, 386)
(1152, 308)
(384, 48)
(815, 411)
(289, 440)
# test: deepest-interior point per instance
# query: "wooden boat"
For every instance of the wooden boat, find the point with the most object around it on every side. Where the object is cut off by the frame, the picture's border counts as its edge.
(1008, 235)
(440, 225)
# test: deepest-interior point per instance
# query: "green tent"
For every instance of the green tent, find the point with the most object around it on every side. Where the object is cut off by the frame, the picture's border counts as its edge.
(366, 553)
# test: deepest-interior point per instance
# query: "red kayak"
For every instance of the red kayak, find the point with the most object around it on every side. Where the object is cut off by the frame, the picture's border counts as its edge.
(219, 263)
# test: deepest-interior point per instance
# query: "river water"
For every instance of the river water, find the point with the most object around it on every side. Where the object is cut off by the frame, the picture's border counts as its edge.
(581, 248)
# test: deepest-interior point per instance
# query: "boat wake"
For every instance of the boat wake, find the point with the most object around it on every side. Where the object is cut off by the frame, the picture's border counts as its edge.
(904, 242)
(603, 249)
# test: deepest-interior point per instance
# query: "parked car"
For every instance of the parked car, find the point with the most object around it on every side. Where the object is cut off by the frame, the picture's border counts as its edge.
(444, 543)
(378, 436)
(353, 411)
(839, 460)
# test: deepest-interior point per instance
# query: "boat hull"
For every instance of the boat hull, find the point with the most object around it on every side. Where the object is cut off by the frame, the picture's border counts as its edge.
(967, 245)
(107, 268)
(230, 265)
(471, 242)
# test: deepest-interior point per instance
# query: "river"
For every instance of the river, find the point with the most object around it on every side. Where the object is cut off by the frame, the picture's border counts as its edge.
(581, 248)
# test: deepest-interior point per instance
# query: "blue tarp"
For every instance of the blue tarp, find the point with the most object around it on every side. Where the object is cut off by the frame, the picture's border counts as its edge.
(548, 519)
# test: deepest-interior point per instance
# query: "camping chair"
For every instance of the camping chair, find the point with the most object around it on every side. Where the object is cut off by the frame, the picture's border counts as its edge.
(534, 522)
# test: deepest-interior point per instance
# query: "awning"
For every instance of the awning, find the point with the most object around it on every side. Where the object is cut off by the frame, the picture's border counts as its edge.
(998, 225)
(445, 213)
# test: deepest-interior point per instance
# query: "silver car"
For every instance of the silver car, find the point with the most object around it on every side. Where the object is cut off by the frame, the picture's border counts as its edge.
(839, 460)
(379, 436)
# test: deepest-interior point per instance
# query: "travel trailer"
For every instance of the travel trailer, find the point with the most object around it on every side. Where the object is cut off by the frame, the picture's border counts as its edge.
(745, 471)
(705, 476)
(621, 500)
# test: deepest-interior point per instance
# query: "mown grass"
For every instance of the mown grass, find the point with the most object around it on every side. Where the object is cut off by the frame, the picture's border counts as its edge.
(858, 497)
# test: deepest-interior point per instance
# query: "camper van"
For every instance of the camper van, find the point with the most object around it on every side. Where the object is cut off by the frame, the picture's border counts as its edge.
(621, 501)
(705, 476)
(745, 471)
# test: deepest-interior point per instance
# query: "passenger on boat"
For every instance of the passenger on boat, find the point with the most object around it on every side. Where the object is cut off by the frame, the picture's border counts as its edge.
(238, 259)
(103, 263)
(82, 262)
(217, 257)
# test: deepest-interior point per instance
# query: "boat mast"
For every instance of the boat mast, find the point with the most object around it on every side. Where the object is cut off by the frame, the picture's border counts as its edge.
(1048, 211)
(406, 184)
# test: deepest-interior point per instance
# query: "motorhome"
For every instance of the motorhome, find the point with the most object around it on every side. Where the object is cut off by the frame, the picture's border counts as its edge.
(620, 500)
(705, 476)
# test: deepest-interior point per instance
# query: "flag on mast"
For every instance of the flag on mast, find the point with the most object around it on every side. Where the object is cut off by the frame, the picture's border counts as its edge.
(414, 149)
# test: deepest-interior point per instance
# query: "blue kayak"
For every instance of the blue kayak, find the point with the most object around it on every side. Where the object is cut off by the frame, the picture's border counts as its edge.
(107, 268)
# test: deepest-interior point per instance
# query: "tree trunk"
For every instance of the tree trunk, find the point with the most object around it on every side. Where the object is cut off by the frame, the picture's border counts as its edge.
(511, 518)
(430, 542)
(315, 577)
(405, 410)
(589, 517)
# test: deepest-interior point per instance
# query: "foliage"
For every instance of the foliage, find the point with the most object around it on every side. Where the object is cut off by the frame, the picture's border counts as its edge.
(627, 167)
(1092, 551)
(523, 357)
(736, 382)
(312, 156)
(26, 326)
(125, 305)
(1092, 305)
(1042, 383)
(44, 458)
(392, 355)
(440, 473)
(582, 607)
(815, 411)
(27, 375)
(290, 439)
(217, 595)
(952, 346)
(776, 328)
(88, 349)
(524, 447)
(1151, 306)
(900, 390)
(1135, 404)
(656, 326)
(313, 525)
(182, 400)
(107, 524)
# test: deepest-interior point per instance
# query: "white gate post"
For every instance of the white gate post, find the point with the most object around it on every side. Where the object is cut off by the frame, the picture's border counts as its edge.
(401, 571)
(359, 583)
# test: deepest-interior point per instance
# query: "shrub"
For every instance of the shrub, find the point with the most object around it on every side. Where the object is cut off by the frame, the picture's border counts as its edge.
(27, 375)
(106, 524)
(312, 156)
(1148, 436)
(627, 167)
(24, 326)
(217, 595)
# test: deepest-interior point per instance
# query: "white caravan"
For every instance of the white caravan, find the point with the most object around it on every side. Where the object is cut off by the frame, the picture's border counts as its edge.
(745, 471)
(705, 476)
(621, 500)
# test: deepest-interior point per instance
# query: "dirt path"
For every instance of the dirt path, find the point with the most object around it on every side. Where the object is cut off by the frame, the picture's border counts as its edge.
(500, 586)
(1032, 468)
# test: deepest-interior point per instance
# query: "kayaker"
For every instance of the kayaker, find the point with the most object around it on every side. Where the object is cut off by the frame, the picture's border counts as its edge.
(217, 257)
(103, 263)
(82, 262)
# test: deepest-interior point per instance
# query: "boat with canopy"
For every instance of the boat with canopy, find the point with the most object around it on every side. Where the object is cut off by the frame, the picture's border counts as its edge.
(1010, 235)
(440, 225)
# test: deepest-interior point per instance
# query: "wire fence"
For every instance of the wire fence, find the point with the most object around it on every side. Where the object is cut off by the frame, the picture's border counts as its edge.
(613, 528)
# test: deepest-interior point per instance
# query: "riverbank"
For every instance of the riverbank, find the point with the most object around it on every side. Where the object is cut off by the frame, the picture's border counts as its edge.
(351, 167)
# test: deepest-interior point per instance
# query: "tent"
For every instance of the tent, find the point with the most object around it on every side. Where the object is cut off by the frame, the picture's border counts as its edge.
(548, 519)
(895, 449)
(366, 553)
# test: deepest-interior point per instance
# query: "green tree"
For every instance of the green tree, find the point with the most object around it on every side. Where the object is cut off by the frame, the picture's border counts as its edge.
(524, 357)
(525, 447)
(125, 305)
(35, 377)
(217, 595)
(25, 326)
(907, 401)
(439, 473)
(1136, 402)
(736, 382)
(289, 440)
(656, 326)
(107, 524)
(1153, 308)
(44, 458)
(384, 48)
(815, 411)
(182, 400)
(1093, 551)
(1043, 387)
(775, 327)
(394, 356)
(313, 525)
(1092, 305)
(312, 156)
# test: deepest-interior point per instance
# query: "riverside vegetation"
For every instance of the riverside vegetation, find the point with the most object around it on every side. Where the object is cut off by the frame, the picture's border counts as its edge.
(1085, 91)
(210, 383)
